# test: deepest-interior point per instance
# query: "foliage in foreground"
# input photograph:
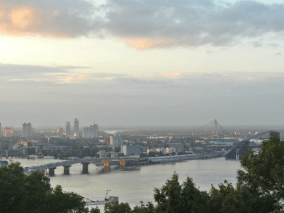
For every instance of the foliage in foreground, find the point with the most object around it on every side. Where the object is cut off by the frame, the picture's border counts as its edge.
(33, 193)
(259, 189)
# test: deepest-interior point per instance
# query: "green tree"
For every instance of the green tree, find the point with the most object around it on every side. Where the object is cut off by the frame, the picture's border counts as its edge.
(33, 193)
(117, 208)
(95, 210)
(228, 199)
(263, 172)
(184, 198)
(148, 208)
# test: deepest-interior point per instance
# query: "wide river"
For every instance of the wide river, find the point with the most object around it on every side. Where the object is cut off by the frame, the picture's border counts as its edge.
(135, 184)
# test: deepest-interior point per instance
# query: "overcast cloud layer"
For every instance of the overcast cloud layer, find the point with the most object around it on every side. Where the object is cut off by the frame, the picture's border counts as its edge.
(144, 23)
(51, 96)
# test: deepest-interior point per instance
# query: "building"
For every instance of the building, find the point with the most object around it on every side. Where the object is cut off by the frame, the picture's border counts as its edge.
(96, 130)
(59, 131)
(27, 130)
(130, 150)
(102, 153)
(9, 132)
(115, 141)
(0, 130)
(91, 132)
(88, 132)
(67, 129)
(76, 127)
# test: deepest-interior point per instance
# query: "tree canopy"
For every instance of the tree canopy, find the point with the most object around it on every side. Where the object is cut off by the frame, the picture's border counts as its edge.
(33, 193)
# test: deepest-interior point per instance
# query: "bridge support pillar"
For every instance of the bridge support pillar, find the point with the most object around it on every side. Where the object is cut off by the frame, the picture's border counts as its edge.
(106, 163)
(122, 162)
(85, 168)
(66, 169)
(106, 169)
(51, 171)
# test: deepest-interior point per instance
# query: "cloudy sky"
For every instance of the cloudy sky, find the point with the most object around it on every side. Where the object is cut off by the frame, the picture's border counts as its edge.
(141, 62)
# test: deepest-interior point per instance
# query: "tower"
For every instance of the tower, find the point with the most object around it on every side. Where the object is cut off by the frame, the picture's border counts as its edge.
(67, 129)
(215, 130)
(76, 127)
(27, 130)
(95, 128)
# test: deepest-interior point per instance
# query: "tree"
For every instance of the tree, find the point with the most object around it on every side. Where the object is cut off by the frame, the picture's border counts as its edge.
(264, 172)
(185, 198)
(33, 193)
(117, 208)
(148, 208)
(228, 199)
(117, 149)
(95, 210)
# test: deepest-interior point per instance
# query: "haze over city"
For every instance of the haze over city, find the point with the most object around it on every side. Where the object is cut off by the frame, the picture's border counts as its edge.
(157, 106)
(141, 62)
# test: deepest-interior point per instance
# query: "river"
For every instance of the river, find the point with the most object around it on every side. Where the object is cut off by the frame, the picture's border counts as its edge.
(135, 184)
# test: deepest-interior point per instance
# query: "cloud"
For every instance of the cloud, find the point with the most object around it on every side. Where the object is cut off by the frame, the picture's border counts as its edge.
(193, 23)
(257, 44)
(52, 95)
(29, 73)
(48, 18)
(148, 43)
(64, 75)
(273, 45)
(27, 70)
(278, 54)
(144, 24)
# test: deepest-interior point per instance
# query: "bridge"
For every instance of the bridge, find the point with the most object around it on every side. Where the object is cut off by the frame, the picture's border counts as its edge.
(122, 160)
(237, 151)
(85, 164)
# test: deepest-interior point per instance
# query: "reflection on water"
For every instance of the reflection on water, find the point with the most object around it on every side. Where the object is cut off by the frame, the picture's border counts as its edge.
(113, 169)
(133, 184)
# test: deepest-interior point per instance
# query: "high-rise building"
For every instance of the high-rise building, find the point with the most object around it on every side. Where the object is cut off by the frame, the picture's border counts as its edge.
(95, 130)
(0, 130)
(59, 131)
(115, 141)
(27, 130)
(76, 127)
(91, 132)
(9, 132)
(67, 129)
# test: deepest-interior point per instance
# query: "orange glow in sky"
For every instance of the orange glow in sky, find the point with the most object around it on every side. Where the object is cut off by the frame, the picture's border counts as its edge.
(148, 43)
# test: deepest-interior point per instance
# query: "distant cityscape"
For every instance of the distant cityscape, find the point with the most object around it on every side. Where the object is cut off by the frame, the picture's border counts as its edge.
(72, 141)
(28, 131)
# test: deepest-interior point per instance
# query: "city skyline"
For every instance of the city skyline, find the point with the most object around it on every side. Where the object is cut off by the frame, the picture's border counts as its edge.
(141, 63)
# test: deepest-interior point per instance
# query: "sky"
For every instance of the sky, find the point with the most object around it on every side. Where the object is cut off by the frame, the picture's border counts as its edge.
(141, 62)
